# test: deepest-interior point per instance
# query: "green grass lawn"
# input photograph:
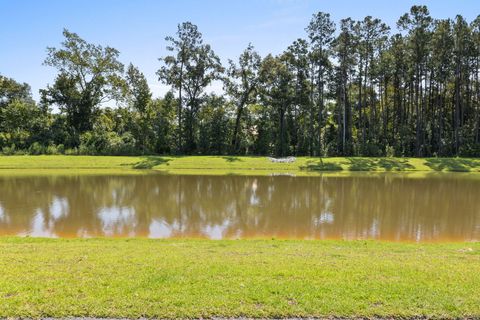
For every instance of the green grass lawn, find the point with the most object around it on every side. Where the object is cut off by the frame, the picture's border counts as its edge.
(238, 165)
(252, 278)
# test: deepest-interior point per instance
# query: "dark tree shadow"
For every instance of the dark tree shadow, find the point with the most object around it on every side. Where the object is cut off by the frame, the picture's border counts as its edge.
(150, 162)
(231, 158)
(394, 164)
(362, 164)
(321, 166)
(452, 164)
(373, 164)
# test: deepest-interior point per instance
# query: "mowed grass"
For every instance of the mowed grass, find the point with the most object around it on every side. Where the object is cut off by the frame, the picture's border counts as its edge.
(250, 278)
(236, 165)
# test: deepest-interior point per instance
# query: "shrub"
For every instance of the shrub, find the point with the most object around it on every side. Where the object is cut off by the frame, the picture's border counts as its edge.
(103, 143)
(20, 152)
(36, 149)
(469, 149)
(61, 149)
(71, 152)
(9, 150)
(51, 149)
(389, 151)
(5, 138)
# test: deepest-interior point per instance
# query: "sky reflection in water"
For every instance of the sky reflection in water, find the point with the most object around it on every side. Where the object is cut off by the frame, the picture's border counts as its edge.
(388, 207)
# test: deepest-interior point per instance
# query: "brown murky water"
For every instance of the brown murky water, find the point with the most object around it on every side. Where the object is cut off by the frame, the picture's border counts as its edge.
(388, 207)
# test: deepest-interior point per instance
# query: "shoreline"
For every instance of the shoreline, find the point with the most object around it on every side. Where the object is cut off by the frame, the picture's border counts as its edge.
(225, 165)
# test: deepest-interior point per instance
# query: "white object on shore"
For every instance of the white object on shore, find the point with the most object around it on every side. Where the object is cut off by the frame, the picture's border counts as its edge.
(283, 160)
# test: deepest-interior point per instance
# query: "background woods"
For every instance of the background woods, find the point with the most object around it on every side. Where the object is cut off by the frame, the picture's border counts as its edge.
(352, 88)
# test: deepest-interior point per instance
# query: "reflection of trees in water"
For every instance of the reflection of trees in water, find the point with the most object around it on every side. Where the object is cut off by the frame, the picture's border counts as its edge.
(383, 207)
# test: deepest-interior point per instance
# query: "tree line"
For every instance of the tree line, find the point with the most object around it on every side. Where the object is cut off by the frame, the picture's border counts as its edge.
(352, 88)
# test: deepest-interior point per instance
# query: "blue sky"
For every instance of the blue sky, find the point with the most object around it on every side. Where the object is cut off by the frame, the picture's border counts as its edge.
(138, 27)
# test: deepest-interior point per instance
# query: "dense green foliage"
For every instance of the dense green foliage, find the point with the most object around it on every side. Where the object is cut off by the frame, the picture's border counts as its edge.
(352, 89)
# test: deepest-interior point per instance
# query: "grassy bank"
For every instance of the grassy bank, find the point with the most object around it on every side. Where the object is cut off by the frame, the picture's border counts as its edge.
(253, 278)
(230, 164)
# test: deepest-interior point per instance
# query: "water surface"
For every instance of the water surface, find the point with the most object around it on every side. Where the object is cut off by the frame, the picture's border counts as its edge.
(387, 207)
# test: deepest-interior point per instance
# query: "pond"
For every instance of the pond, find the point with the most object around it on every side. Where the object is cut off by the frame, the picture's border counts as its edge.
(391, 207)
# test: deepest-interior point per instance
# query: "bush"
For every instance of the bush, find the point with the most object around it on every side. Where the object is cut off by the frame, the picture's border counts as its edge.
(372, 150)
(71, 152)
(51, 149)
(107, 143)
(36, 149)
(389, 151)
(20, 152)
(127, 145)
(470, 150)
(61, 149)
(8, 150)
(5, 138)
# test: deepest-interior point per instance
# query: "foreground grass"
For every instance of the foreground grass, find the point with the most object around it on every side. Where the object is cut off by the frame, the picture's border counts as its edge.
(237, 165)
(254, 278)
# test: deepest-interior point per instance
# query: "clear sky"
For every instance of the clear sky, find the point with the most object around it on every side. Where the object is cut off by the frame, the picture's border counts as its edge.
(138, 27)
